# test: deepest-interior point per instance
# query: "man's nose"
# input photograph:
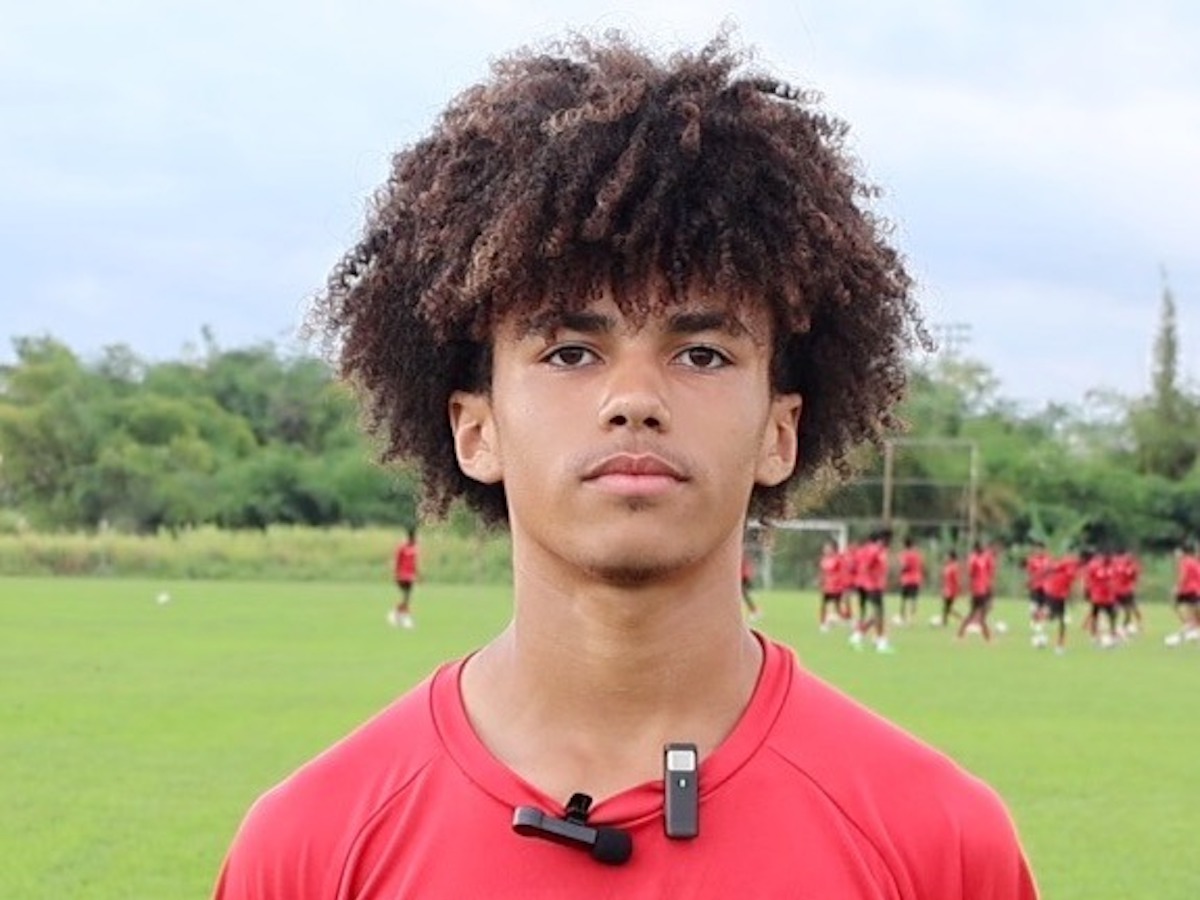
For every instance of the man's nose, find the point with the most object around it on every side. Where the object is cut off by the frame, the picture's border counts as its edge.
(635, 398)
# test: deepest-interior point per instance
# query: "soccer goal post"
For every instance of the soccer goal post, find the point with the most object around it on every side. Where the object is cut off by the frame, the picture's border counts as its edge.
(787, 552)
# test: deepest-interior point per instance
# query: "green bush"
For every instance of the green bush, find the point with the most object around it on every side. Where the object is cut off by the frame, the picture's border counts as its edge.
(448, 555)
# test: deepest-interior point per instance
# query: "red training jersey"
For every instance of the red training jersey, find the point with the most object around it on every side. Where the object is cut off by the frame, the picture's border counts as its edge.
(981, 571)
(1036, 567)
(873, 566)
(1188, 580)
(810, 795)
(833, 574)
(912, 567)
(1125, 573)
(1060, 577)
(951, 580)
(406, 562)
(1098, 582)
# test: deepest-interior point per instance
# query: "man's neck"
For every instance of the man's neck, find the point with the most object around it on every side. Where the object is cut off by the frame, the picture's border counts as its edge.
(588, 682)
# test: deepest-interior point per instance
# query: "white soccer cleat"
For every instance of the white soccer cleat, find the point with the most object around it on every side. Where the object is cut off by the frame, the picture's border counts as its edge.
(406, 621)
(1173, 640)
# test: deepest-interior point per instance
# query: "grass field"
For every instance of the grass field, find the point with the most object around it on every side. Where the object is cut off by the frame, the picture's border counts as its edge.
(134, 734)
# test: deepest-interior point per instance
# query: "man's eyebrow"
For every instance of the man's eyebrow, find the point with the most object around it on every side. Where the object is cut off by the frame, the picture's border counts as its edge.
(584, 321)
(692, 322)
(589, 322)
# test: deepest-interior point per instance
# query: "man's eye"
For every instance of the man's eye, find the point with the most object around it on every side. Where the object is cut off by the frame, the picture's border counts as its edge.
(703, 358)
(570, 356)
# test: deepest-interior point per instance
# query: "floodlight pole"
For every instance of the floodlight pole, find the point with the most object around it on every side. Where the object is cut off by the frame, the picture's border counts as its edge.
(889, 462)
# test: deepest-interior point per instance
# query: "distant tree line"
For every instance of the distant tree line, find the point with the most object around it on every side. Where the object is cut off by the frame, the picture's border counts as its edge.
(241, 438)
(1113, 471)
(249, 437)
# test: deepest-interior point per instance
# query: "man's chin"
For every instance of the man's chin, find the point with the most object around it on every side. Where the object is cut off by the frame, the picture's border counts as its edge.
(630, 574)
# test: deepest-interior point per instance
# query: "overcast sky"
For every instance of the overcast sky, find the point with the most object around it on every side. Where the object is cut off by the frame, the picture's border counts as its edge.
(166, 165)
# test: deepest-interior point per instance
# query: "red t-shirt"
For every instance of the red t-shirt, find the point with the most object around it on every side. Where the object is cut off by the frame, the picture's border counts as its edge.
(981, 570)
(951, 580)
(833, 573)
(1125, 572)
(873, 566)
(1060, 577)
(912, 567)
(811, 795)
(1036, 567)
(1097, 579)
(1189, 575)
(406, 562)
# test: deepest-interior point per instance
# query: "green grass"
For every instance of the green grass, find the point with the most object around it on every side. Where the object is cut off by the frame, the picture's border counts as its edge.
(134, 735)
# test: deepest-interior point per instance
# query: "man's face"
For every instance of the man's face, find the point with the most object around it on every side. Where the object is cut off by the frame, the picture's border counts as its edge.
(629, 452)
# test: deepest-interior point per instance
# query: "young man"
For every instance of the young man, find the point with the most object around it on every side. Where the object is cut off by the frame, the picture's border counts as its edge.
(1126, 571)
(404, 569)
(1187, 595)
(872, 570)
(951, 588)
(833, 578)
(1101, 622)
(1036, 565)
(618, 305)
(981, 576)
(912, 576)
(1061, 573)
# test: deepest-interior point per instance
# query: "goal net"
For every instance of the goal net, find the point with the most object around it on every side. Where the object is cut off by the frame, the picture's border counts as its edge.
(787, 553)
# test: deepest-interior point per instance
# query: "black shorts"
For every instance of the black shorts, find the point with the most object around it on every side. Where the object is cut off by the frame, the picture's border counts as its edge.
(980, 602)
(1057, 607)
(1037, 597)
(1187, 599)
(831, 598)
(875, 598)
(909, 591)
(1125, 600)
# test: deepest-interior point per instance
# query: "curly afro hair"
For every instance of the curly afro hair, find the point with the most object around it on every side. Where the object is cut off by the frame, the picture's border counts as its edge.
(591, 166)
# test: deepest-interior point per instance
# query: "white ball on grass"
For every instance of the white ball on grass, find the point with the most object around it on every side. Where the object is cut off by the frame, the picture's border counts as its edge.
(163, 597)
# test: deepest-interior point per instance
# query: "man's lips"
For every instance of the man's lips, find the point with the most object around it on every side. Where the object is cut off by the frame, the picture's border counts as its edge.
(635, 465)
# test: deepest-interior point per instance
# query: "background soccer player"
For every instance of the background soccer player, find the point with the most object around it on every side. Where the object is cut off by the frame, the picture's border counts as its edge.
(951, 587)
(404, 569)
(912, 576)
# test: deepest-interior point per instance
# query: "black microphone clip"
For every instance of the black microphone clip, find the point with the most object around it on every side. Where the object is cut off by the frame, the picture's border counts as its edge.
(611, 846)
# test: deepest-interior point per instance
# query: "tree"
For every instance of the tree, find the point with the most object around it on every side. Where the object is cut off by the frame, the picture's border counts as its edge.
(1166, 425)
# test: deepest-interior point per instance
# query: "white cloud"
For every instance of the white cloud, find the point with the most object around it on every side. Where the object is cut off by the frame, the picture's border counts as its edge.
(1039, 159)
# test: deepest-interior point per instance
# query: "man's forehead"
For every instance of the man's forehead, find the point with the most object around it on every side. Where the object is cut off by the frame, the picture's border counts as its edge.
(606, 315)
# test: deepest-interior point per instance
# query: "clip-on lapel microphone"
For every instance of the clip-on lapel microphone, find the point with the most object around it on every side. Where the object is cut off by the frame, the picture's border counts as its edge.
(611, 846)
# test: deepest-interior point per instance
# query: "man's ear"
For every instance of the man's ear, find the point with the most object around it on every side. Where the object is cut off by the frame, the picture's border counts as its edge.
(780, 445)
(475, 444)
